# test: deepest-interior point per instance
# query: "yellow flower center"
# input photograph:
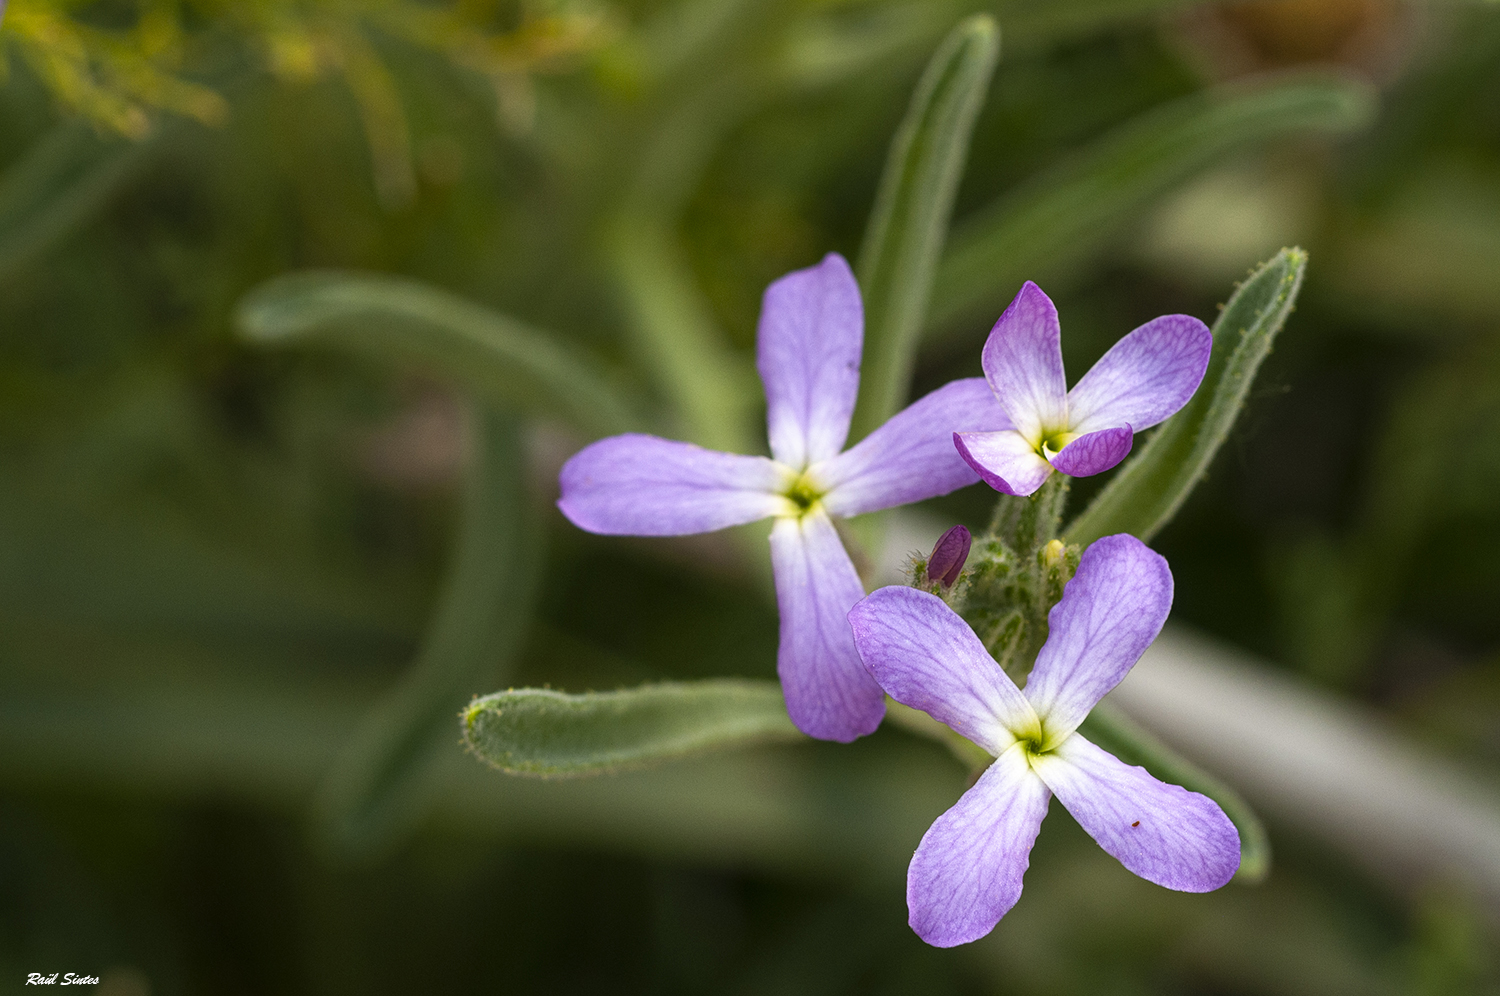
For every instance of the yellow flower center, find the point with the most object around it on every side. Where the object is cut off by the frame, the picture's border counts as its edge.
(1053, 442)
(1036, 740)
(803, 494)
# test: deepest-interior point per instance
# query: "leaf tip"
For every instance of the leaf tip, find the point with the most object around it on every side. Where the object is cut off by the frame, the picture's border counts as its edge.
(980, 27)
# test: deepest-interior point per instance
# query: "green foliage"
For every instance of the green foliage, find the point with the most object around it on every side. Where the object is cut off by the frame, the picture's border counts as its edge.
(232, 577)
(1056, 221)
(1151, 486)
(403, 321)
(62, 180)
(1015, 574)
(909, 222)
(380, 786)
(708, 390)
(535, 731)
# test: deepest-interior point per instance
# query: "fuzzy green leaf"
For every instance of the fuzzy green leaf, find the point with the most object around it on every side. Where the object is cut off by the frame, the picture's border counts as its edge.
(909, 222)
(1058, 219)
(1151, 486)
(536, 731)
(393, 318)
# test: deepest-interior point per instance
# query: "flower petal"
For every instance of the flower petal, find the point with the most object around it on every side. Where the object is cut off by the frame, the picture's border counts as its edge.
(967, 871)
(637, 485)
(1109, 614)
(1023, 362)
(1163, 833)
(925, 656)
(911, 457)
(1095, 452)
(1145, 377)
(811, 333)
(1004, 460)
(829, 694)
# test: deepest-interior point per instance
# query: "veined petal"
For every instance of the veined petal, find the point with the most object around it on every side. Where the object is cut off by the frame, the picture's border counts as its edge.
(1145, 377)
(1004, 460)
(925, 656)
(967, 871)
(911, 457)
(637, 485)
(1163, 833)
(1023, 363)
(1095, 452)
(808, 344)
(829, 694)
(1109, 614)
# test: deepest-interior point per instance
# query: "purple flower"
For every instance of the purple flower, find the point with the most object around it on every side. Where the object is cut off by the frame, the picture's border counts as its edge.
(967, 872)
(1144, 378)
(808, 348)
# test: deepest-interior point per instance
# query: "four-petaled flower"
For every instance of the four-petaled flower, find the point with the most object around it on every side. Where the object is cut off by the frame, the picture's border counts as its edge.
(1144, 378)
(808, 345)
(966, 874)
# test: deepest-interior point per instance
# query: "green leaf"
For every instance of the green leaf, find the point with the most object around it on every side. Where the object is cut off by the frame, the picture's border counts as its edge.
(711, 390)
(536, 731)
(57, 184)
(909, 222)
(377, 790)
(1059, 219)
(1122, 736)
(1152, 485)
(401, 320)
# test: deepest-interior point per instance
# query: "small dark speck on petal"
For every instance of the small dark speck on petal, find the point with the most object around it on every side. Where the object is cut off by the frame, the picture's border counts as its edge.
(1136, 823)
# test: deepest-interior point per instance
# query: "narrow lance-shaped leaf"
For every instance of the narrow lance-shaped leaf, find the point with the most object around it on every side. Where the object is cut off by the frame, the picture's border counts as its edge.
(393, 318)
(376, 791)
(1122, 736)
(1058, 219)
(55, 186)
(711, 390)
(909, 222)
(536, 731)
(1152, 485)
(825, 45)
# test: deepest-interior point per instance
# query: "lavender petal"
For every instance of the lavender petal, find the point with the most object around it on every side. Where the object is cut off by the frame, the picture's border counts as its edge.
(1095, 452)
(1023, 363)
(1144, 378)
(925, 656)
(829, 694)
(1163, 833)
(1109, 614)
(1003, 460)
(911, 457)
(967, 871)
(808, 345)
(637, 485)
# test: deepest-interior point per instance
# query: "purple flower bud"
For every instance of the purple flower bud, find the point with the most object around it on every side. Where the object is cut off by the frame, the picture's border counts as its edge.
(948, 556)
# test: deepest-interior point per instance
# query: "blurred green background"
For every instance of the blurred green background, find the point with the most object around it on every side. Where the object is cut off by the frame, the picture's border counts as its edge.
(231, 574)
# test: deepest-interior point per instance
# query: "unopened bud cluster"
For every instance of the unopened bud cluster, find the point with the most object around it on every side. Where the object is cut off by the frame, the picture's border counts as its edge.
(1004, 582)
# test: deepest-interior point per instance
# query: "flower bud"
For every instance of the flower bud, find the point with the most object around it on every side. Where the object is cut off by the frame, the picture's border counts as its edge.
(948, 556)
